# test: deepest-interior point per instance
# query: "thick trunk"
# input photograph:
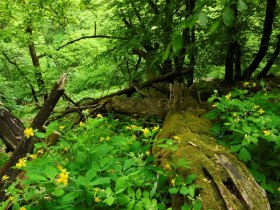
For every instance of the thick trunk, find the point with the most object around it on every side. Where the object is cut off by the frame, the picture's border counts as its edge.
(224, 181)
(267, 29)
(271, 61)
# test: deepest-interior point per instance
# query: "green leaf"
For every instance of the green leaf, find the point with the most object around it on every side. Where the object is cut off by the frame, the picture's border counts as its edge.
(214, 27)
(90, 174)
(121, 184)
(228, 16)
(246, 128)
(241, 5)
(173, 190)
(244, 155)
(177, 43)
(100, 181)
(130, 205)
(235, 148)
(203, 18)
(138, 206)
(128, 163)
(184, 190)
(138, 194)
(123, 199)
(50, 172)
(36, 177)
(197, 205)
(190, 178)
(185, 207)
(69, 198)
(110, 200)
(58, 192)
(166, 53)
(211, 115)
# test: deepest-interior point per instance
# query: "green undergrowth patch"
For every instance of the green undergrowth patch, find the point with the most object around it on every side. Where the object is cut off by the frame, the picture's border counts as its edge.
(248, 122)
(102, 163)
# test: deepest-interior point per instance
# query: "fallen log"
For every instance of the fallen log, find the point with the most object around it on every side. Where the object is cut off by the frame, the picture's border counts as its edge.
(225, 181)
(26, 145)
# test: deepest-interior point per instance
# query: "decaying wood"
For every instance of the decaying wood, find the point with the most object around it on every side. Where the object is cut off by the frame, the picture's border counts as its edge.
(224, 181)
(27, 145)
(11, 129)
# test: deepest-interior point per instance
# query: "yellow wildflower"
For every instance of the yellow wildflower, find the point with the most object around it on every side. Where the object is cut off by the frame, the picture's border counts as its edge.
(266, 133)
(97, 199)
(11, 198)
(4, 178)
(22, 208)
(102, 139)
(173, 182)
(261, 111)
(61, 127)
(177, 138)
(21, 162)
(133, 127)
(28, 132)
(81, 124)
(107, 138)
(41, 151)
(33, 156)
(155, 128)
(99, 116)
(148, 153)
(234, 114)
(245, 84)
(63, 177)
(145, 132)
(254, 84)
(214, 105)
(167, 166)
(228, 96)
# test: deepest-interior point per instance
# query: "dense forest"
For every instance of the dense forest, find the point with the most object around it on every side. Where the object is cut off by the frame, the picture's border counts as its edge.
(139, 104)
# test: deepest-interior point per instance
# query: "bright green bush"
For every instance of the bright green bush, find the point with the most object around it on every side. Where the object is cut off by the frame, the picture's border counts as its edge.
(104, 163)
(249, 124)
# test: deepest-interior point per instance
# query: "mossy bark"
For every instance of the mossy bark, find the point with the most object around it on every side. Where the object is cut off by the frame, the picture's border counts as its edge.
(225, 182)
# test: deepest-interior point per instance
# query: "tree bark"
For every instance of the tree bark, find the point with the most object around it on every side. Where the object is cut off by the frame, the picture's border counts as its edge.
(271, 61)
(27, 145)
(36, 63)
(11, 129)
(267, 29)
(224, 181)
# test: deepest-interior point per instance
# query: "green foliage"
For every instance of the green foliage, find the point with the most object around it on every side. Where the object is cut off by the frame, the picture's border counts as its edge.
(105, 162)
(248, 123)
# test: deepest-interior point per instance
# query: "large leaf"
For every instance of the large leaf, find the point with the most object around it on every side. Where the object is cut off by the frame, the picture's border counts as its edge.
(228, 16)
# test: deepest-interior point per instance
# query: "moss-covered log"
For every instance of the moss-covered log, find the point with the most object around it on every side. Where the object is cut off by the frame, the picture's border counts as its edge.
(225, 182)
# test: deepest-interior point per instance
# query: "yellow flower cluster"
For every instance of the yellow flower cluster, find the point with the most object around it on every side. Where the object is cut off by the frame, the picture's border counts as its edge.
(173, 182)
(61, 127)
(28, 132)
(261, 111)
(105, 139)
(4, 178)
(63, 176)
(266, 133)
(99, 116)
(167, 166)
(145, 132)
(81, 124)
(21, 163)
(228, 96)
(22, 208)
(131, 127)
(248, 84)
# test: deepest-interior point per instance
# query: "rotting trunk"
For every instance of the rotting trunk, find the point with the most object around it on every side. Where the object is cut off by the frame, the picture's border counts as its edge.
(225, 182)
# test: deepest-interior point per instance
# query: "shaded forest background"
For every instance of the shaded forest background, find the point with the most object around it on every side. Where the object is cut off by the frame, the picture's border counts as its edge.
(108, 46)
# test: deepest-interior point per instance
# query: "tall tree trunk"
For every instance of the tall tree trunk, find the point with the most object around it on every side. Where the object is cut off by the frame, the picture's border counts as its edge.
(271, 61)
(267, 29)
(36, 64)
(237, 61)
(167, 34)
